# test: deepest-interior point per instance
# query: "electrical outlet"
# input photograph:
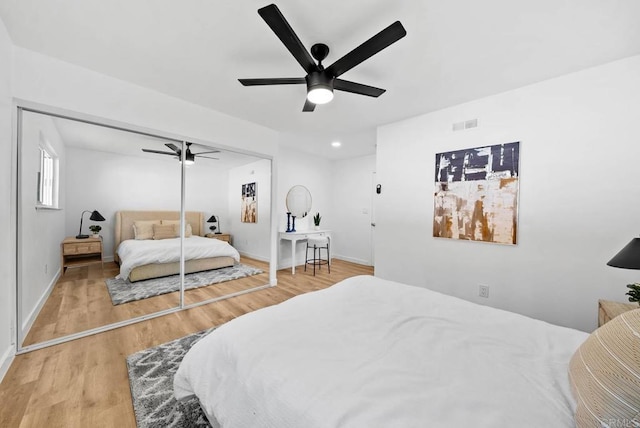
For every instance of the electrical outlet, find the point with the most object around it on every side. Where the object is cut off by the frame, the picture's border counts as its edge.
(484, 291)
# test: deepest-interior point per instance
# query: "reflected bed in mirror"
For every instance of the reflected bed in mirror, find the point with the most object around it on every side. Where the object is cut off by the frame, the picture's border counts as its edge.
(147, 245)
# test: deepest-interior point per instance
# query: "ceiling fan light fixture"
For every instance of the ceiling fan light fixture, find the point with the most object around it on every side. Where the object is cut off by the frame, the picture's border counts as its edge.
(189, 158)
(321, 80)
(320, 95)
(319, 87)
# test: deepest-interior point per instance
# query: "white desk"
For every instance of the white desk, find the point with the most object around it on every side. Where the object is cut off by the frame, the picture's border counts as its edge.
(299, 236)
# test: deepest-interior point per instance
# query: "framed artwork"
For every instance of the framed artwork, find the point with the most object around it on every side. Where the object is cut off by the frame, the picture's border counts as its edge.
(476, 194)
(249, 207)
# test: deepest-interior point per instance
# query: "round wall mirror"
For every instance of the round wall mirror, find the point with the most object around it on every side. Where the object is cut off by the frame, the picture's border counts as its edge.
(299, 201)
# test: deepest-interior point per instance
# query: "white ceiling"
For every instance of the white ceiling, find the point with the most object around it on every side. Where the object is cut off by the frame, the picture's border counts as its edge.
(455, 51)
(89, 136)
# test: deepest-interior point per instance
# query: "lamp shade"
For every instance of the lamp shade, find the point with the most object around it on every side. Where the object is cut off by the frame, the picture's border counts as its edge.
(628, 257)
(212, 219)
(96, 216)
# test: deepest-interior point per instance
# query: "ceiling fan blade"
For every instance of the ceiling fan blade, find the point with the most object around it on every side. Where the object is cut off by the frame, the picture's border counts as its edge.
(375, 44)
(202, 153)
(207, 157)
(273, 81)
(308, 106)
(276, 21)
(357, 88)
(173, 147)
(158, 152)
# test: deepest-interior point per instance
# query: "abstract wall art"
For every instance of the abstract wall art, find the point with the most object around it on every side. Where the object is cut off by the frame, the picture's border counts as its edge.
(249, 207)
(476, 194)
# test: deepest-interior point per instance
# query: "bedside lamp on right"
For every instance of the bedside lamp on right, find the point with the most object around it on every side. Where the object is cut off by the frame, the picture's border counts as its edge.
(213, 219)
(629, 258)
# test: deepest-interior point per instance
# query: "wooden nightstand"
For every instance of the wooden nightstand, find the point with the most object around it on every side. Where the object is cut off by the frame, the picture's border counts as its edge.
(80, 252)
(608, 310)
(221, 236)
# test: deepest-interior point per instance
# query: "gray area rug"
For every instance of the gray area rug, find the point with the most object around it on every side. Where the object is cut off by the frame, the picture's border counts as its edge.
(124, 291)
(151, 374)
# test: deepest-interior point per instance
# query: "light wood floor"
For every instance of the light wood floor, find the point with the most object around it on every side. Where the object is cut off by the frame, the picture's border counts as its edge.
(84, 383)
(80, 301)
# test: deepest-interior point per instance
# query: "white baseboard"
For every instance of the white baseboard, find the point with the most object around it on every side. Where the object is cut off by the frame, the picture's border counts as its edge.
(28, 322)
(5, 361)
(253, 256)
(352, 260)
(286, 264)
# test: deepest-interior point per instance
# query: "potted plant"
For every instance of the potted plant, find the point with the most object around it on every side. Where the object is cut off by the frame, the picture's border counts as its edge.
(634, 292)
(316, 220)
(95, 229)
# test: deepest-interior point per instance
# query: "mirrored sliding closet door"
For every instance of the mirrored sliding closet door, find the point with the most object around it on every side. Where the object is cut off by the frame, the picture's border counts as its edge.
(75, 179)
(112, 219)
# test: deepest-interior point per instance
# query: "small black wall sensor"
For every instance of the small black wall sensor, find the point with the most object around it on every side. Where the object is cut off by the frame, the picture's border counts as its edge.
(379, 189)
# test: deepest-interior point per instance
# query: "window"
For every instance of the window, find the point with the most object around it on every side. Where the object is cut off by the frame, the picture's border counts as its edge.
(47, 176)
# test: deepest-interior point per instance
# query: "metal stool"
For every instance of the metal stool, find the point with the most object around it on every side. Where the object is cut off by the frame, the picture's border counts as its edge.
(317, 244)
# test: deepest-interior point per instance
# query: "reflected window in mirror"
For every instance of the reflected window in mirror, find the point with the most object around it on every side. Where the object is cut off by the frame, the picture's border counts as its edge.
(47, 180)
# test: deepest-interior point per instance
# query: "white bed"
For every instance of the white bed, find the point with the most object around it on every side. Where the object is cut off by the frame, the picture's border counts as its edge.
(125, 231)
(373, 353)
(135, 253)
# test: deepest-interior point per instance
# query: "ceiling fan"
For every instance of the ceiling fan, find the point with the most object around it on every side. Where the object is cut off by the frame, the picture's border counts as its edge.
(322, 81)
(189, 157)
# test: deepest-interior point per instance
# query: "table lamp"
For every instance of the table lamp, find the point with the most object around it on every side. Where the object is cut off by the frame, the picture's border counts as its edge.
(629, 258)
(95, 216)
(214, 219)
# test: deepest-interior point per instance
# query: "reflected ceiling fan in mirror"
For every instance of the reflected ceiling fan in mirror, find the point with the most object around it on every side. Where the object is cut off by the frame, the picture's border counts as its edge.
(322, 81)
(189, 156)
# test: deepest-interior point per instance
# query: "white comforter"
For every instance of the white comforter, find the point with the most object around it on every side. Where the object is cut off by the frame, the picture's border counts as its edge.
(134, 253)
(373, 353)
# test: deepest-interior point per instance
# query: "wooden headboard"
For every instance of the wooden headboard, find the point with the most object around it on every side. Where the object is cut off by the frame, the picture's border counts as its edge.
(125, 220)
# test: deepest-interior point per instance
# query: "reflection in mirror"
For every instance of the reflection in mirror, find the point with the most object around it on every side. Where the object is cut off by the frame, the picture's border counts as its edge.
(68, 283)
(72, 171)
(299, 201)
(214, 184)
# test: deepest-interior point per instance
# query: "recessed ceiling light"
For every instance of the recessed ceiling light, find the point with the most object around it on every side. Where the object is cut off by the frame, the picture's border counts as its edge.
(336, 144)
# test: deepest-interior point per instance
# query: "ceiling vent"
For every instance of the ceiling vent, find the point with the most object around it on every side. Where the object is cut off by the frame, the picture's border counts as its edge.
(467, 124)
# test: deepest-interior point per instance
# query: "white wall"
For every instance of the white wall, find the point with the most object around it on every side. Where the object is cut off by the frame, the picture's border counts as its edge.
(579, 196)
(7, 205)
(298, 168)
(250, 239)
(110, 182)
(42, 230)
(352, 190)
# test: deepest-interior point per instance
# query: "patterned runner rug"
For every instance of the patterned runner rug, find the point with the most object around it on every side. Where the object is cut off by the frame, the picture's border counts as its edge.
(151, 374)
(123, 291)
